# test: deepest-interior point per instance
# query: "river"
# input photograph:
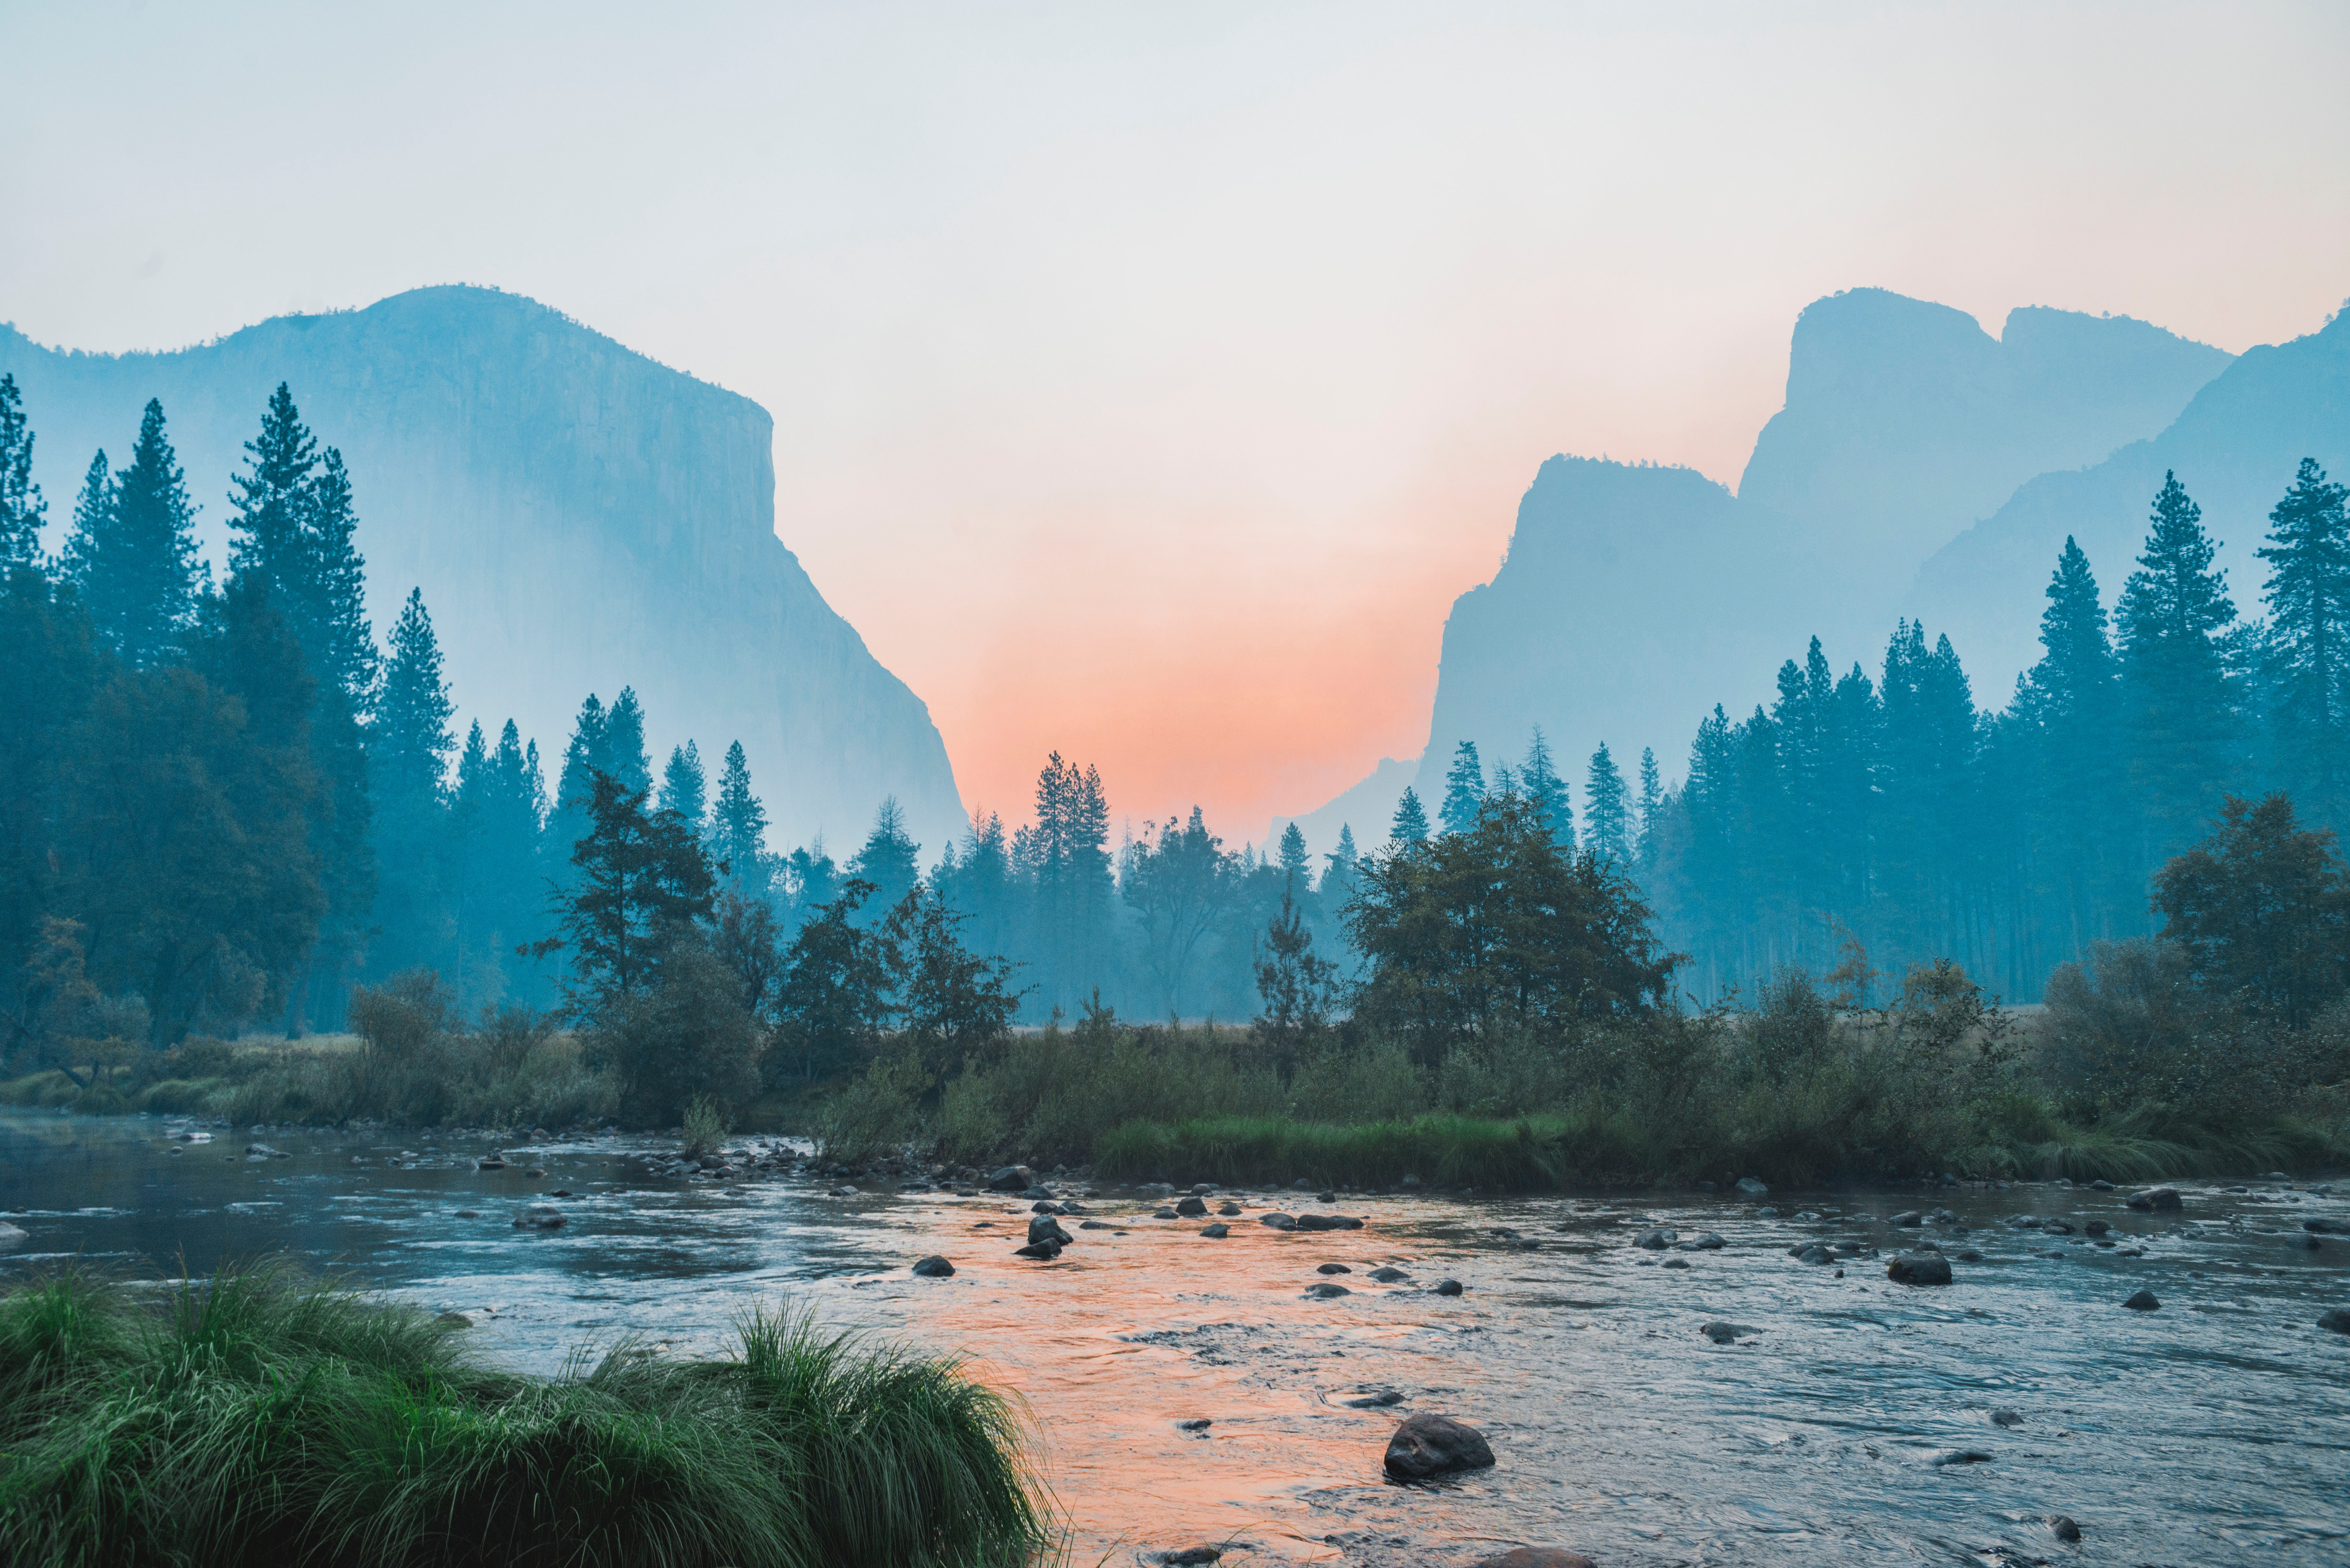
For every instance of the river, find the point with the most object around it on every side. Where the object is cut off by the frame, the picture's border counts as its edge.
(2213, 1430)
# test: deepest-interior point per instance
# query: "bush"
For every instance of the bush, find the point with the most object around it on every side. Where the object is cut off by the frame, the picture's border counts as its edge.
(687, 1039)
(259, 1417)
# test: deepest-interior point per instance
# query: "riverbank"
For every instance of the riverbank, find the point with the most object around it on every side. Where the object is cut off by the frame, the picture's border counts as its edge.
(259, 1416)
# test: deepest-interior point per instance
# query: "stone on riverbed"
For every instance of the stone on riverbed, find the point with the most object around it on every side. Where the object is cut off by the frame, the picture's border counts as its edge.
(2143, 1302)
(1093, 1225)
(10, 1236)
(1333, 1269)
(1228, 1208)
(1278, 1220)
(1924, 1269)
(1163, 1214)
(1045, 1228)
(1216, 1231)
(2334, 1320)
(2064, 1529)
(541, 1217)
(1388, 1276)
(1326, 1289)
(1656, 1240)
(1448, 1287)
(2003, 1417)
(1373, 1399)
(933, 1268)
(1045, 1252)
(2154, 1198)
(1191, 1207)
(1011, 1179)
(1727, 1333)
(1427, 1446)
(1752, 1187)
(1328, 1222)
(1708, 1242)
(1535, 1557)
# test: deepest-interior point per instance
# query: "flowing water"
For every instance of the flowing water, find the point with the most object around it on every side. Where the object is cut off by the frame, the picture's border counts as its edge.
(1854, 1425)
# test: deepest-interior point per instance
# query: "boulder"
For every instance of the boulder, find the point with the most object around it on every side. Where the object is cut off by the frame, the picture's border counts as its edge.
(540, 1216)
(2143, 1302)
(1328, 1222)
(1216, 1231)
(1191, 1207)
(1708, 1242)
(2318, 1227)
(2334, 1320)
(1045, 1228)
(1093, 1225)
(2003, 1417)
(1228, 1208)
(1911, 1217)
(1278, 1222)
(11, 1237)
(1011, 1179)
(1333, 1269)
(1919, 1268)
(933, 1268)
(1190, 1557)
(1812, 1253)
(2154, 1198)
(1045, 1252)
(1388, 1276)
(1448, 1287)
(1427, 1446)
(1751, 1186)
(1535, 1557)
(1162, 1214)
(1324, 1290)
(2095, 1227)
(2063, 1528)
(1656, 1240)
(2055, 1228)
(454, 1320)
(262, 1151)
(1726, 1332)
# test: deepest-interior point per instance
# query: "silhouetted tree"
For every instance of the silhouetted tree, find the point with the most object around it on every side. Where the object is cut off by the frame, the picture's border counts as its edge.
(21, 507)
(1411, 824)
(1464, 789)
(2176, 698)
(132, 553)
(1607, 830)
(684, 789)
(2308, 638)
(2262, 908)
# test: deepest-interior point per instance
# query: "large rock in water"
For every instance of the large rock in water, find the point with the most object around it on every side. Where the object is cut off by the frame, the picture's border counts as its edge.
(1535, 1557)
(1427, 1446)
(11, 1237)
(579, 518)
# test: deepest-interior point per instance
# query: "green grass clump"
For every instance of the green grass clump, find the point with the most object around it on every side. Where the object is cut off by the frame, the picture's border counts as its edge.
(261, 1418)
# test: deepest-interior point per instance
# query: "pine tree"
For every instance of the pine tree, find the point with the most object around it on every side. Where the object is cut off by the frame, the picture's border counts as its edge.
(684, 789)
(272, 497)
(1411, 825)
(334, 592)
(1607, 824)
(2175, 699)
(2071, 702)
(1543, 789)
(21, 507)
(1296, 865)
(1338, 872)
(1464, 790)
(624, 744)
(2308, 664)
(133, 549)
(412, 738)
(1652, 813)
(738, 825)
(587, 754)
(889, 859)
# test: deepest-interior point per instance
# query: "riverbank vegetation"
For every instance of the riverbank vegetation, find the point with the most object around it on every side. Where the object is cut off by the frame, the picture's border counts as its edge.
(257, 1417)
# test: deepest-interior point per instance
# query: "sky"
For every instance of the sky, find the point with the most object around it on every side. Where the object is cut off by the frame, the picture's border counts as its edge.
(1148, 380)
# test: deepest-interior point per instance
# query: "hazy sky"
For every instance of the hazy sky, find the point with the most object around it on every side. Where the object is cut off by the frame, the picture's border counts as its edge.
(1148, 380)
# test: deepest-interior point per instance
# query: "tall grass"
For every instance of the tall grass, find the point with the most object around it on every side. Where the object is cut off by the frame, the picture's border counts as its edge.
(259, 1417)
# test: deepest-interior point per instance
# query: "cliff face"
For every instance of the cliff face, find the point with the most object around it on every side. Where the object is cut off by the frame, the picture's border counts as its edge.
(1904, 421)
(579, 518)
(2235, 449)
(1633, 599)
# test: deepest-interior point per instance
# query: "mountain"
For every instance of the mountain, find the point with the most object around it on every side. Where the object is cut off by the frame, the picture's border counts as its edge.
(2234, 448)
(1906, 422)
(579, 518)
(1632, 599)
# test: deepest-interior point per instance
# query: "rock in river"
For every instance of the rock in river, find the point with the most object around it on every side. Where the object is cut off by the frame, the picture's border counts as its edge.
(1216, 1231)
(1919, 1268)
(1427, 1446)
(1727, 1333)
(1191, 1206)
(540, 1216)
(1448, 1287)
(2143, 1302)
(2154, 1198)
(1324, 1290)
(1388, 1276)
(1656, 1240)
(2064, 1529)
(2335, 1320)
(1752, 1187)
(10, 1236)
(933, 1268)
(1045, 1228)
(1011, 1179)
(1045, 1252)
(1278, 1220)
(1328, 1222)
(1535, 1557)
(1333, 1269)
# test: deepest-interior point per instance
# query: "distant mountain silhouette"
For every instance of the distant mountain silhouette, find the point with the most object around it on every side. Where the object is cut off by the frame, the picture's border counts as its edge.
(2235, 449)
(1906, 422)
(1633, 599)
(579, 518)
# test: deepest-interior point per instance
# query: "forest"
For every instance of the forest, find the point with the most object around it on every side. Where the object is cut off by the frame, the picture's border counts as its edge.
(228, 810)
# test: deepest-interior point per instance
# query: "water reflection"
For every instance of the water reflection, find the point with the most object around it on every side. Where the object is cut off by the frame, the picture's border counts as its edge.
(2214, 1431)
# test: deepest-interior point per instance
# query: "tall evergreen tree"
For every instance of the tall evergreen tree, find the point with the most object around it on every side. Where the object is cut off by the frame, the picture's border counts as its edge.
(738, 825)
(1411, 824)
(2071, 701)
(684, 789)
(2308, 664)
(888, 860)
(21, 507)
(1545, 792)
(1464, 790)
(333, 590)
(1652, 814)
(1338, 869)
(413, 738)
(624, 744)
(272, 498)
(1296, 865)
(1606, 816)
(1069, 864)
(132, 553)
(2176, 700)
